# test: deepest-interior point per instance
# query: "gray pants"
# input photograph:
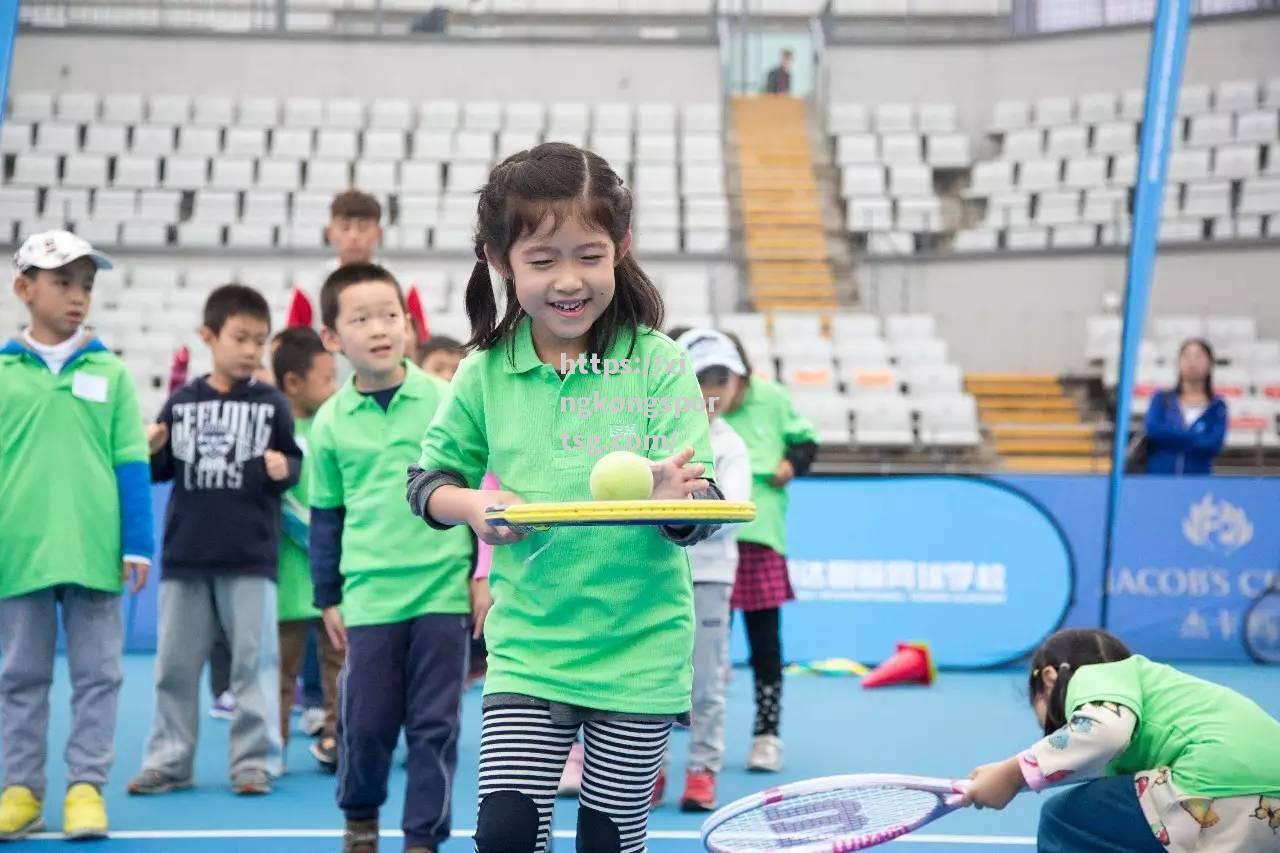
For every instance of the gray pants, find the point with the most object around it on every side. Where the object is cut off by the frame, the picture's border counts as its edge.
(191, 610)
(28, 641)
(710, 659)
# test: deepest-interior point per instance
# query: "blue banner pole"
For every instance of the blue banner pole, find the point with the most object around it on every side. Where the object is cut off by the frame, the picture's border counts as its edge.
(8, 32)
(1160, 113)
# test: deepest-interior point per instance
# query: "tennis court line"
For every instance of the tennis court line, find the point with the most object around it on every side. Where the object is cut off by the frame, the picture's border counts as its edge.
(656, 834)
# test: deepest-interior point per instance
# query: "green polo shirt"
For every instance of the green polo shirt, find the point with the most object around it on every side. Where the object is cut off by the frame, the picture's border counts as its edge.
(769, 423)
(394, 567)
(599, 617)
(65, 439)
(1218, 742)
(293, 583)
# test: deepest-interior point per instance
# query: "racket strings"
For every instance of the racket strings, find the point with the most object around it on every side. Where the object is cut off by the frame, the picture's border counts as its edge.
(824, 817)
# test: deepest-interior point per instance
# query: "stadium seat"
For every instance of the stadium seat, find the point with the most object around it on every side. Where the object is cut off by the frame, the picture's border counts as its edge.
(948, 420)
(900, 148)
(84, 170)
(76, 107)
(57, 138)
(1257, 126)
(746, 327)
(569, 116)
(919, 215)
(656, 118)
(706, 240)
(848, 119)
(379, 177)
(827, 411)
(905, 181)
(1053, 111)
(159, 206)
(701, 148)
(1235, 96)
(976, 240)
(1096, 108)
(280, 173)
(1115, 137)
(391, 114)
(251, 235)
(848, 327)
(857, 148)
(1060, 207)
(258, 112)
(1073, 236)
(1105, 205)
(245, 142)
(1193, 99)
(328, 175)
(656, 147)
(475, 146)
(891, 243)
(16, 137)
(167, 109)
(1251, 422)
(384, 145)
(865, 180)
(306, 113)
(144, 235)
(1068, 141)
(1260, 196)
(336, 144)
(893, 118)
(990, 178)
(232, 173)
(1207, 199)
(265, 207)
(613, 118)
(808, 373)
(106, 139)
(1010, 115)
(936, 118)
(137, 173)
(1188, 164)
(213, 111)
(295, 143)
(1035, 175)
(912, 352)
(910, 327)
(1271, 94)
(1209, 130)
(483, 116)
(882, 420)
(66, 203)
(525, 115)
(930, 379)
(792, 326)
(344, 114)
(123, 108)
(1085, 172)
(439, 115)
(869, 214)
(100, 233)
(200, 235)
(1234, 162)
(18, 203)
(948, 150)
(1025, 144)
(199, 141)
(1026, 239)
(1266, 378)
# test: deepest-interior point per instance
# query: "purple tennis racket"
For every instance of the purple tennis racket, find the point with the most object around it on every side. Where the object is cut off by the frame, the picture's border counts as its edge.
(833, 814)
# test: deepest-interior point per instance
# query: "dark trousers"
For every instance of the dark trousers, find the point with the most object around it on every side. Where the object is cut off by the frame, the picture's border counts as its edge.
(313, 684)
(220, 666)
(1096, 817)
(764, 636)
(411, 675)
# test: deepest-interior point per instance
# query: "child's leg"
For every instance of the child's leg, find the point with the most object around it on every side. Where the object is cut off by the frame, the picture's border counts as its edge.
(764, 635)
(28, 640)
(331, 660)
(371, 696)
(710, 654)
(293, 641)
(247, 610)
(521, 756)
(312, 685)
(436, 671)
(95, 644)
(622, 763)
(1096, 817)
(219, 664)
(186, 628)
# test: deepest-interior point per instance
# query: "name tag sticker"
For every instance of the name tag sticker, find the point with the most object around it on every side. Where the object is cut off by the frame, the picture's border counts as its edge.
(89, 387)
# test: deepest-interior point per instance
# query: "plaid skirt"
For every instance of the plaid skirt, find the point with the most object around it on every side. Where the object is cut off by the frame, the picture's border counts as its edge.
(762, 582)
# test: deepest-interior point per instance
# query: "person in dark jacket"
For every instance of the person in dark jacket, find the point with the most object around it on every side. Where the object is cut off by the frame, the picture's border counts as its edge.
(1186, 425)
(778, 81)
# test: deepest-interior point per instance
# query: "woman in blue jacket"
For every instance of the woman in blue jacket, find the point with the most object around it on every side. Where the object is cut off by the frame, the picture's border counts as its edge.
(1185, 426)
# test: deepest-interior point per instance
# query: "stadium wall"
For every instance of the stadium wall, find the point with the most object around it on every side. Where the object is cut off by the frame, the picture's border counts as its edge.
(974, 75)
(418, 68)
(1027, 312)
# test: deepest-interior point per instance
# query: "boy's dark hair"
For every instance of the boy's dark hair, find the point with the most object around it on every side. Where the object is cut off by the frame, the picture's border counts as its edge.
(716, 375)
(354, 204)
(344, 277)
(296, 349)
(1067, 651)
(435, 343)
(230, 300)
(742, 353)
(558, 180)
(1208, 351)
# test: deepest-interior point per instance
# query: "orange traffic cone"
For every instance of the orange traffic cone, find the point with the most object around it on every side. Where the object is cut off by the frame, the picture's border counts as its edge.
(912, 663)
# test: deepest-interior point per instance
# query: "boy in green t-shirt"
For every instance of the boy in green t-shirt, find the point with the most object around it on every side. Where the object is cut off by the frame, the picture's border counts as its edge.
(75, 523)
(306, 373)
(394, 592)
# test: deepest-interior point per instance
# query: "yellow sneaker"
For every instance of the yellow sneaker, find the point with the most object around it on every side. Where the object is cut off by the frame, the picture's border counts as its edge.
(19, 813)
(84, 814)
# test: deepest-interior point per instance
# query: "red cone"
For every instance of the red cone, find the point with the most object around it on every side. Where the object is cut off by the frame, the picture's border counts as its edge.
(912, 663)
(300, 313)
(413, 303)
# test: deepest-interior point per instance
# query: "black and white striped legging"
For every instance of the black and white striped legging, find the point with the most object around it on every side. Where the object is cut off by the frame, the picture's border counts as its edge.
(522, 754)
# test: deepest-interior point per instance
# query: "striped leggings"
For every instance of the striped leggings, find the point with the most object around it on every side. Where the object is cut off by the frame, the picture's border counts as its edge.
(522, 754)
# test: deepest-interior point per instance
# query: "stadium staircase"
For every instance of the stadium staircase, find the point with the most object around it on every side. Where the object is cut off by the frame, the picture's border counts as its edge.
(1035, 425)
(788, 256)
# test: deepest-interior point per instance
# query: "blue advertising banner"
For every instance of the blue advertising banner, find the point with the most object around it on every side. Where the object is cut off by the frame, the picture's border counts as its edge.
(973, 566)
(1190, 555)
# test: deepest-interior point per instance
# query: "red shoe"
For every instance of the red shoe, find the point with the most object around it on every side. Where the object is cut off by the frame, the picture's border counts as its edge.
(699, 792)
(659, 789)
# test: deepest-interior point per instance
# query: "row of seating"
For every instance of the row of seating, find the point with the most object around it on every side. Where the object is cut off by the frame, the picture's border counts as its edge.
(1083, 235)
(893, 422)
(221, 111)
(1243, 162)
(1194, 99)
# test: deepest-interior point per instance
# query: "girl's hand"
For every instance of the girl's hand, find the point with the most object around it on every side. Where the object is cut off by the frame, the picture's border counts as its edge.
(993, 786)
(675, 479)
(487, 533)
(783, 474)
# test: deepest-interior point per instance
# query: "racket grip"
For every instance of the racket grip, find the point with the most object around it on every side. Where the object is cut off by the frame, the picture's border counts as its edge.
(961, 787)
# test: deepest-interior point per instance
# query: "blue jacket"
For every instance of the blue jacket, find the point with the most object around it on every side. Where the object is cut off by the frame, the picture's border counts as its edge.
(1174, 447)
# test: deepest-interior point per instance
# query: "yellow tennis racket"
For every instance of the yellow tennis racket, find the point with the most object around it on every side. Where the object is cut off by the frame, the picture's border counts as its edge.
(544, 516)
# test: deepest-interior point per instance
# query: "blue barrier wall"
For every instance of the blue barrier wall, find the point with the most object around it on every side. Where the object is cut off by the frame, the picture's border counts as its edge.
(984, 568)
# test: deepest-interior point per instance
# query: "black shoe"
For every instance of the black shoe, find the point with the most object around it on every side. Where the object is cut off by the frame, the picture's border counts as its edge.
(325, 751)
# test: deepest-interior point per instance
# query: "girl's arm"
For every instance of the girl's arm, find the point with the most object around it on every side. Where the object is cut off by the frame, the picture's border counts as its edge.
(1080, 750)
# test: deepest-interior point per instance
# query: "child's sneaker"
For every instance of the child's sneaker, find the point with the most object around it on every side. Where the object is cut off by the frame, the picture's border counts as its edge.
(84, 814)
(766, 754)
(699, 791)
(325, 751)
(224, 707)
(251, 783)
(360, 836)
(155, 782)
(311, 723)
(571, 778)
(19, 813)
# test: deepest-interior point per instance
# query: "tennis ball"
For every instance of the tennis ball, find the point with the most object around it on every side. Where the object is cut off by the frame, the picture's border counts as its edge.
(621, 476)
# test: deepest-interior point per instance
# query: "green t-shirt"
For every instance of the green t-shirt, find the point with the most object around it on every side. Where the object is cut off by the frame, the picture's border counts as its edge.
(61, 438)
(394, 566)
(1217, 742)
(769, 423)
(600, 617)
(293, 585)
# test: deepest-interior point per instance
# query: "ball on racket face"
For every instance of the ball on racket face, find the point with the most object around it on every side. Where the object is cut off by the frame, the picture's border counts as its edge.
(621, 476)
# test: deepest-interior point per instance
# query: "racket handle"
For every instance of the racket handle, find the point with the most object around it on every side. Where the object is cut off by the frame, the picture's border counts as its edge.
(961, 787)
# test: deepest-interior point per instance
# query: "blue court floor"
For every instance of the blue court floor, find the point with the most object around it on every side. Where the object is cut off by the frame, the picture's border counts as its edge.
(830, 725)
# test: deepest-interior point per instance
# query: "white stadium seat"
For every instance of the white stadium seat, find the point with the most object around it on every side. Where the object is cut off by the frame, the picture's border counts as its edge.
(882, 420)
(1235, 96)
(1258, 126)
(1010, 115)
(1096, 108)
(1027, 144)
(1053, 111)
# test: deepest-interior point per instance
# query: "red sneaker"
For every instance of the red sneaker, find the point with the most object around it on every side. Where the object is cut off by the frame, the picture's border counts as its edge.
(699, 791)
(659, 789)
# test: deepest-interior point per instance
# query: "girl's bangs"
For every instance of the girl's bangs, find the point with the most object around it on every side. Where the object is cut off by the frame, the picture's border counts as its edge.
(527, 217)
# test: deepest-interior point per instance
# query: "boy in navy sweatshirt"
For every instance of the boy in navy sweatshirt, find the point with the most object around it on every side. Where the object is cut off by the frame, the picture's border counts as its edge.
(226, 441)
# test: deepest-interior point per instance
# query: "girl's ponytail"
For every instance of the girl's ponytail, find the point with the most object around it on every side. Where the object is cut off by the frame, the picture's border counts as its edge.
(1066, 652)
(1056, 705)
(482, 307)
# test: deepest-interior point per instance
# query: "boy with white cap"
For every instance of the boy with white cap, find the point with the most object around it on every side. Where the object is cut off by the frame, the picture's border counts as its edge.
(75, 526)
(720, 372)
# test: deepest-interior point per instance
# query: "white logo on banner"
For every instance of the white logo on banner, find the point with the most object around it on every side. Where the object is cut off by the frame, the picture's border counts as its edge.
(894, 581)
(1194, 627)
(1217, 525)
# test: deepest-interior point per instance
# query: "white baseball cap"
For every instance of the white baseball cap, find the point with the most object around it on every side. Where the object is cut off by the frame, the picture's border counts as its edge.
(50, 250)
(709, 348)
